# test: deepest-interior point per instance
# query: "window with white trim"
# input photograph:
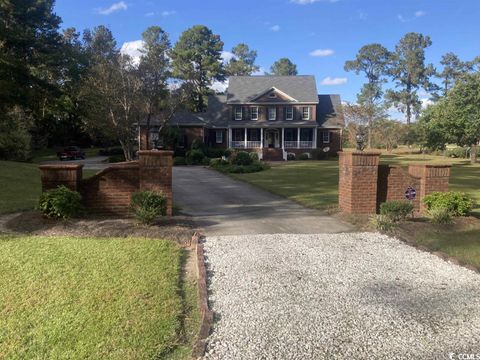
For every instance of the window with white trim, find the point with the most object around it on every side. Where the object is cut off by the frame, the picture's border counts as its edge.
(306, 113)
(272, 113)
(289, 113)
(326, 137)
(254, 113)
(238, 113)
(219, 137)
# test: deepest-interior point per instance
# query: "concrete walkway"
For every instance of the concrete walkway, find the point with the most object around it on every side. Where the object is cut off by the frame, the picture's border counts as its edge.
(224, 206)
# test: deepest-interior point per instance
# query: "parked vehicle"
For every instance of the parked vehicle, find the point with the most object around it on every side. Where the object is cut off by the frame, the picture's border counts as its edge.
(71, 153)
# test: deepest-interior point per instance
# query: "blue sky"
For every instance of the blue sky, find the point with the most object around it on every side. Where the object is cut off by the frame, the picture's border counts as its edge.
(333, 30)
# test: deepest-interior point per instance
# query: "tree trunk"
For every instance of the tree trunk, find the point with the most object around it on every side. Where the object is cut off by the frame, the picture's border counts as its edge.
(369, 133)
(473, 154)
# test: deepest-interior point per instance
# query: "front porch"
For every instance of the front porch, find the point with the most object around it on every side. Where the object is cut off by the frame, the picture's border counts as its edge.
(273, 138)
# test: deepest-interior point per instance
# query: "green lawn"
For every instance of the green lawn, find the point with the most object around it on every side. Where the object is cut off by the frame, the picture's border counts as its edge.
(78, 298)
(20, 185)
(315, 183)
(463, 245)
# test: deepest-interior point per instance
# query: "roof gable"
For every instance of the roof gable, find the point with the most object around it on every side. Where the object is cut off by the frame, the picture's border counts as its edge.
(245, 89)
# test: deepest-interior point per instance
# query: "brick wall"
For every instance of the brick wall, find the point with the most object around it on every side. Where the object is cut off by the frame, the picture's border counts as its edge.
(364, 184)
(109, 192)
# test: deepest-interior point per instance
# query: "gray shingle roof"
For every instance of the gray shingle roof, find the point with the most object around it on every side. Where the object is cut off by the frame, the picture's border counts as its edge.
(329, 111)
(242, 89)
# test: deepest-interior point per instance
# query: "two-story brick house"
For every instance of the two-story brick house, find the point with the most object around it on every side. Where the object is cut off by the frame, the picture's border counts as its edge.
(272, 115)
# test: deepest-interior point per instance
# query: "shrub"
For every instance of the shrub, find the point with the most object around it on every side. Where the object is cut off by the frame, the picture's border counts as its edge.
(218, 162)
(382, 223)
(60, 203)
(206, 161)
(214, 152)
(179, 160)
(396, 210)
(457, 203)
(110, 151)
(195, 157)
(290, 156)
(198, 144)
(241, 158)
(148, 205)
(228, 152)
(440, 216)
(304, 156)
(254, 156)
(457, 152)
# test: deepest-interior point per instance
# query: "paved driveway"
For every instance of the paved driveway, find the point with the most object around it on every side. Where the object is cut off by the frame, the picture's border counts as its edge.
(224, 206)
(90, 163)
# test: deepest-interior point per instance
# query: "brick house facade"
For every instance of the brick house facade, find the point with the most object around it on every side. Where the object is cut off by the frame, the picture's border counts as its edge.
(272, 115)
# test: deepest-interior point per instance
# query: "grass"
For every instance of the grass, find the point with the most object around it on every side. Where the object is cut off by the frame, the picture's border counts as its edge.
(461, 244)
(97, 298)
(20, 185)
(315, 183)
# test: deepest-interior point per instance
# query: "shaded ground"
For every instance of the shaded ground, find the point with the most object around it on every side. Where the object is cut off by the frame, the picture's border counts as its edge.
(222, 205)
(179, 229)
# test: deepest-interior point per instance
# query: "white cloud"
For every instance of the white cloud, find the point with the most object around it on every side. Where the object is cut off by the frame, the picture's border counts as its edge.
(150, 14)
(133, 49)
(417, 14)
(121, 5)
(260, 71)
(219, 86)
(275, 28)
(168, 13)
(426, 102)
(322, 52)
(362, 15)
(329, 81)
(226, 56)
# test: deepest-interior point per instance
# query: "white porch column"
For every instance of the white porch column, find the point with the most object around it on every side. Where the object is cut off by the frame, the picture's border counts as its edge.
(298, 138)
(229, 138)
(261, 138)
(283, 138)
(245, 138)
(314, 138)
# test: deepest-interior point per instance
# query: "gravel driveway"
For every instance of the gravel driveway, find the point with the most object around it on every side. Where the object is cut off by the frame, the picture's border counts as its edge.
(337, 296)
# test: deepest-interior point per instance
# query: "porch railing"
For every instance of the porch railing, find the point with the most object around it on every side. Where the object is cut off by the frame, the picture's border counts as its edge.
(250, 144)
(298, 144)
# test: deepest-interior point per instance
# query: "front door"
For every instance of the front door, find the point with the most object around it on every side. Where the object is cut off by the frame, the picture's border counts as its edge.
(271, 139)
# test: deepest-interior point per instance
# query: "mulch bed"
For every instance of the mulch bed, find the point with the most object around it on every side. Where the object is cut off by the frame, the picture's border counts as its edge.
(177, 228)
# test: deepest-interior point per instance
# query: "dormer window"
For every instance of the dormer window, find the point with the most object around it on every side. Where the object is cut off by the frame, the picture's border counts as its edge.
(306, 113)
(238, 113)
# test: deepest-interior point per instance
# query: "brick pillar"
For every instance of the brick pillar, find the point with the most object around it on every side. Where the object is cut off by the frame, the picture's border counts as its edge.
(53, 176)
(432, 177)
(358, 182)
(156, 173)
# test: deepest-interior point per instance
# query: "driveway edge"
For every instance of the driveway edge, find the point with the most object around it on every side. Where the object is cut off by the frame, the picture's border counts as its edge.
(206, 314)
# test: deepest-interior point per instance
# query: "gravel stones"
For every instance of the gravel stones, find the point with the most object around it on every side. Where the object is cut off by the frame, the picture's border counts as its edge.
(337, 296)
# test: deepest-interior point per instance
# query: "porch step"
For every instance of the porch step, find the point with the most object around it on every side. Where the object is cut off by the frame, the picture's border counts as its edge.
(272, 154)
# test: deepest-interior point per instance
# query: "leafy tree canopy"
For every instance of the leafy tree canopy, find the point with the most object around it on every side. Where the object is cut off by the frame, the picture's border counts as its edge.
(283, 67)
(243, 62)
